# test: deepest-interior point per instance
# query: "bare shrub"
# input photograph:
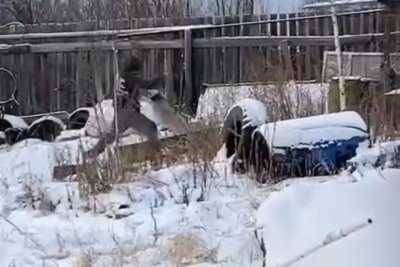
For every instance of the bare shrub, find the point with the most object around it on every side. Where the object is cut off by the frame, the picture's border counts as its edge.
(98, 173)
(97, 176)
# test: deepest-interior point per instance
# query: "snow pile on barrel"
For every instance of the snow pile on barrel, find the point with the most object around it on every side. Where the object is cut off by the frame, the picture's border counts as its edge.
(254, 112)
(306, 131)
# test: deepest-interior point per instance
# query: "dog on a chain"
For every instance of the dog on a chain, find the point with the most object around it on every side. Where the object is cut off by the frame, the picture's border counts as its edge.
(132, 90)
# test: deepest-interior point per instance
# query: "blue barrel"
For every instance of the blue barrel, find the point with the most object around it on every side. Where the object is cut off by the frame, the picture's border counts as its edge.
(317, 145)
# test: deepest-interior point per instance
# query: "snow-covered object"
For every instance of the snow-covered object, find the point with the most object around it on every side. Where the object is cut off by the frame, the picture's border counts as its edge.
(83, 109)
(46, 128)
(238, 126)
(315, 129)
(300, 217)
(254, 112)
(314, 145)
(53, 119)
(301, 98)
(15, 121)
(101, 118)
(78, 116)
(70, 134)
(386, 154)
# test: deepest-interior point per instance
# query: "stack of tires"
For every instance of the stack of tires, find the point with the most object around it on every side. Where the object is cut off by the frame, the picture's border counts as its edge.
(15, 129)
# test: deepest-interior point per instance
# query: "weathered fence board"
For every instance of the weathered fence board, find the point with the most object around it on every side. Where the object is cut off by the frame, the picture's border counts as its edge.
(251, 48)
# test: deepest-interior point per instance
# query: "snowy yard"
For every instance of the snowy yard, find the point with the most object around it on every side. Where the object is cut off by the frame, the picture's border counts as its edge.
(164, 218)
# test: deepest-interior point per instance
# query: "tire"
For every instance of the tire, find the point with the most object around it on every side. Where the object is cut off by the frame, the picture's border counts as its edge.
(260, 157)
(238, 127)
(77, 120)
(12, 135)
(2, 138)
(45, 129)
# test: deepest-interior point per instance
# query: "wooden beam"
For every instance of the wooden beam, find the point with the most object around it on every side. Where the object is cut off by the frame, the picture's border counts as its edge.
(211, 42)
(188, 55)
(96, 34)
(57, 47)
(257, 41)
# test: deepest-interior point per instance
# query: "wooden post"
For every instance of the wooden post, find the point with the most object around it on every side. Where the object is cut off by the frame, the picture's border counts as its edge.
(78, 85)
(169, 83)
(188, 70)
(308, 52)
(386, 50)
(342, 92)
(285, 49)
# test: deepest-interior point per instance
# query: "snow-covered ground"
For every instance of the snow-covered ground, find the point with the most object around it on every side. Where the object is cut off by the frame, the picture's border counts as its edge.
(167, 218)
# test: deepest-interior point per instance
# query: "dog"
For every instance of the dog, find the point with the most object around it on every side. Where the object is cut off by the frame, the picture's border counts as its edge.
(132, 89)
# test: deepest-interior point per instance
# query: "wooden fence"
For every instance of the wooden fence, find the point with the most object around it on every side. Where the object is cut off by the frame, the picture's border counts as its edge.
(248, 49)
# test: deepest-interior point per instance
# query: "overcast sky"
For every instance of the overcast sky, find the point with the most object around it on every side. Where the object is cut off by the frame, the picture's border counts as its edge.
(273, 6)
(284, 5)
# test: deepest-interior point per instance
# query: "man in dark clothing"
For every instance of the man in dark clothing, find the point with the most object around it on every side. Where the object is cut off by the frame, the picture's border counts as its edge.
(128, 109)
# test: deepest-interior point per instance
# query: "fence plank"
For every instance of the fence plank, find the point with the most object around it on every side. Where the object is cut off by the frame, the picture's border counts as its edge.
(308, 65)
(188, 69)
(220, 54)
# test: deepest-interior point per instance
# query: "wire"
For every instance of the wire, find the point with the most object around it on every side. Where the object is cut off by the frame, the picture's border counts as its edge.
(14, 91)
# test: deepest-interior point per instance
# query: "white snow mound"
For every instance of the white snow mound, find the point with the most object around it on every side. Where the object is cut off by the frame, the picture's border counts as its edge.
(300, 217)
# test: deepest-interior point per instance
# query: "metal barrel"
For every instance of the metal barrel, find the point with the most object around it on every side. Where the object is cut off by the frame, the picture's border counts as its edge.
(316, 145)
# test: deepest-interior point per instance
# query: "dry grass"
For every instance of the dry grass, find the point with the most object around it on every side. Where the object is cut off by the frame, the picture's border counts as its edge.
(197, 148)
(86, 260)
(187, 248)
(124, 256)
(98, 176)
